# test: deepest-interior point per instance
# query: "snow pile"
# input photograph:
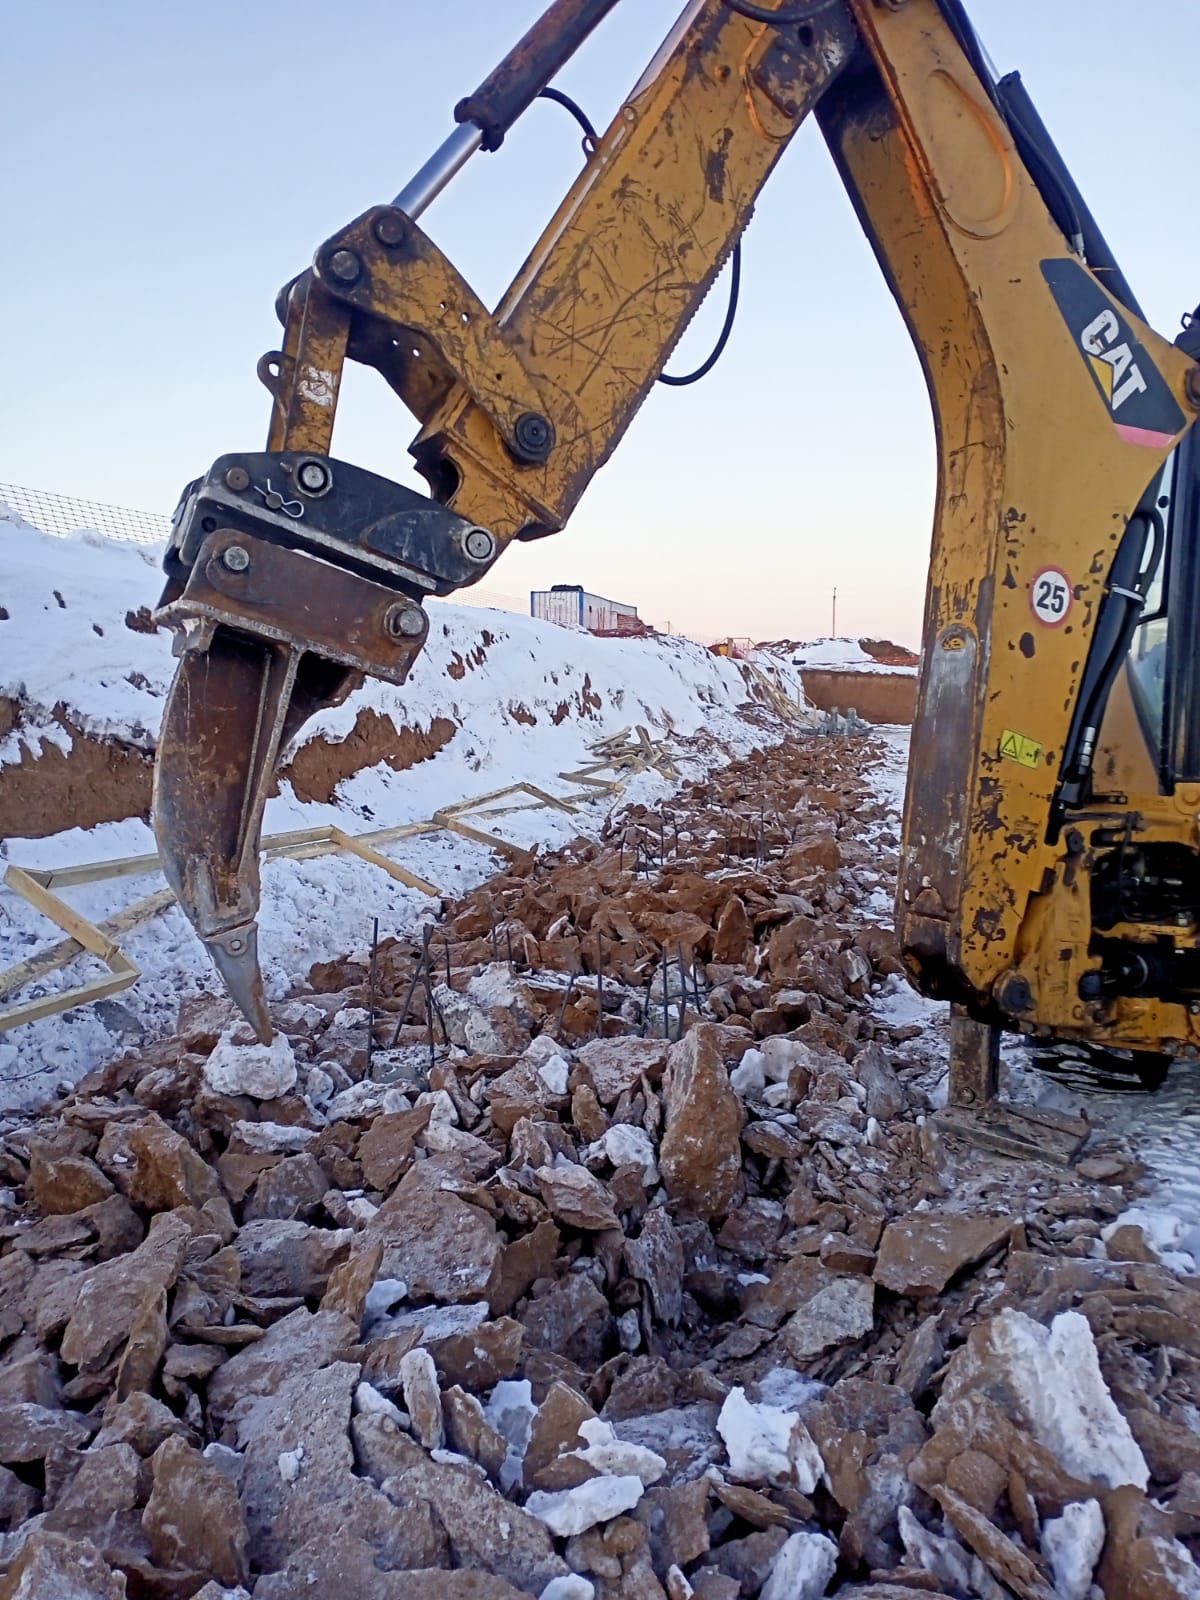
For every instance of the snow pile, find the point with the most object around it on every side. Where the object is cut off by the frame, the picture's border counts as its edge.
(840, 655)
(66, 643)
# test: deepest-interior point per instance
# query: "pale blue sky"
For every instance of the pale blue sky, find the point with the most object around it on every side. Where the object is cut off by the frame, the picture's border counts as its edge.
(168, 165)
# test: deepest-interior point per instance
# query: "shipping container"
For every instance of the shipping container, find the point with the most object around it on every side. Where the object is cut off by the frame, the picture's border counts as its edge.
(571, 606)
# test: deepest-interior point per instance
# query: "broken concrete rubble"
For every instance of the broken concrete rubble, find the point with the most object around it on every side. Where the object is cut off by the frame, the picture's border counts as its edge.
(650, 1281)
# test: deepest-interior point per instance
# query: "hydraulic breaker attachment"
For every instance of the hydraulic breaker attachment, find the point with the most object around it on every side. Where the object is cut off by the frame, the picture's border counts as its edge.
(289, 576)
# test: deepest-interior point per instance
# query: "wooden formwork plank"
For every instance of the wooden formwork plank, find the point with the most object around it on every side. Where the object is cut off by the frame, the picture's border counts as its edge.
(121, 971)
(50, 1005)
(59, 955)
(547, 799)
(393, 868)
(616, 753)
(491, 840)
(478, 800)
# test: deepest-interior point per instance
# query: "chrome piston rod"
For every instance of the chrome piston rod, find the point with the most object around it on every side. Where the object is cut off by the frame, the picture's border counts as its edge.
(486, 116)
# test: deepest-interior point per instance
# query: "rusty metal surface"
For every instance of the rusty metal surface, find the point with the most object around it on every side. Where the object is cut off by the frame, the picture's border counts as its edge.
(268, 636)
(529, 66)
(974, 1060)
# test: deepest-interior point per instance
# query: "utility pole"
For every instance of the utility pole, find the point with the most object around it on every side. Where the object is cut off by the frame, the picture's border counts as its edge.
(833, 625)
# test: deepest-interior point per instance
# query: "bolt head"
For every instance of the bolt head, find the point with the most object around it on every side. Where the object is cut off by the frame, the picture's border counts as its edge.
(403, 621)
(235, 558)
(237, 479)
(344, 265)
(313, 477)
(533, 437)
(389, 227)
(479, 544)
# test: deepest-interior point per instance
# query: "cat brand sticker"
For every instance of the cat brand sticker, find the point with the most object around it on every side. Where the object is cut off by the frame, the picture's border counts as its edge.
(1139, 401)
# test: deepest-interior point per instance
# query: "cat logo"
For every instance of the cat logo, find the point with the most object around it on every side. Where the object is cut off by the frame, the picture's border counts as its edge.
(1117, 373)
(1141, 405)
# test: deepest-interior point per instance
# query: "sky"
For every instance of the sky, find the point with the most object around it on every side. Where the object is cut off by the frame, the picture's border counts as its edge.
(168, 166)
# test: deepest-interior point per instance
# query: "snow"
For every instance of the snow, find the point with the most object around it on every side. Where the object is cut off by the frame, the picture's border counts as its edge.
(368, 1400)
(433, 1322)
(1055, 1375)
(943, 1558)
(510, 1410)
(838, 654)
(65, 644)
(900, 1006)
(572, 1587)
(624, 1144)
(1175, 1242)
(615, 1458)
(262, 1071)
(569, 1511)
(802, 1569)
(1071, 1545)
(784, 1386)
(767, 1444)
(271, 1138)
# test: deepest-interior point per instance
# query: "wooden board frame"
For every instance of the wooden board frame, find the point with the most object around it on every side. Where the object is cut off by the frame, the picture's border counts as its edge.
(619, 752)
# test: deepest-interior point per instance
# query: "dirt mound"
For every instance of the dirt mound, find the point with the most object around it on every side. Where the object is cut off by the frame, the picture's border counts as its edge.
(889, 654)
(97, 780)
(320, 765)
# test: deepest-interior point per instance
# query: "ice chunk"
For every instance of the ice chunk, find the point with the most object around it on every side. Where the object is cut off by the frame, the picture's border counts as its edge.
(1072, 1544)
(615, 1458)
(510, 1410)
(262, 1071)
(571, 1511)
(802, 1569)
(767, 1444)
(748, 1078)
(553, 1074)
(1053, 1377)
(572, 1587)
(383, 1294)
(624, 1145)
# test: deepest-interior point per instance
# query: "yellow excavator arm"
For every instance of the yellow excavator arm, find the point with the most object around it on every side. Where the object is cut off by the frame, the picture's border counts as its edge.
(291, 573)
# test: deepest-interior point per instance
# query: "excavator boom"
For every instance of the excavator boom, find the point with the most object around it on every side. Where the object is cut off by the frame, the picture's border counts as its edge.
(292, 573)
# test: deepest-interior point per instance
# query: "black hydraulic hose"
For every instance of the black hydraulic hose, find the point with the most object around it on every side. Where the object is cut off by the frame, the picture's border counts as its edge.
(785, 17)
(1120, 610)
(1033, 143)
(590, 136)
(735, 283)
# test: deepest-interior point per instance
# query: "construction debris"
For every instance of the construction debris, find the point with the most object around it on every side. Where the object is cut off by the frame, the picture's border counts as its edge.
(599, 1245)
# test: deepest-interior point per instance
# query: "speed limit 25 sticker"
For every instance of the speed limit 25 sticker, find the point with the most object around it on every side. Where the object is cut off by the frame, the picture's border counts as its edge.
(1050, 597)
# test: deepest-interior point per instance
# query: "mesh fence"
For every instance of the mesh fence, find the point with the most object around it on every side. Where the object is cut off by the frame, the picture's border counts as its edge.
(62, 514)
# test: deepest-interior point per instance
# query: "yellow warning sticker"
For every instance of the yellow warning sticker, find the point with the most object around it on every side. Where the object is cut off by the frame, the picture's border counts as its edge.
(1018, 747)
